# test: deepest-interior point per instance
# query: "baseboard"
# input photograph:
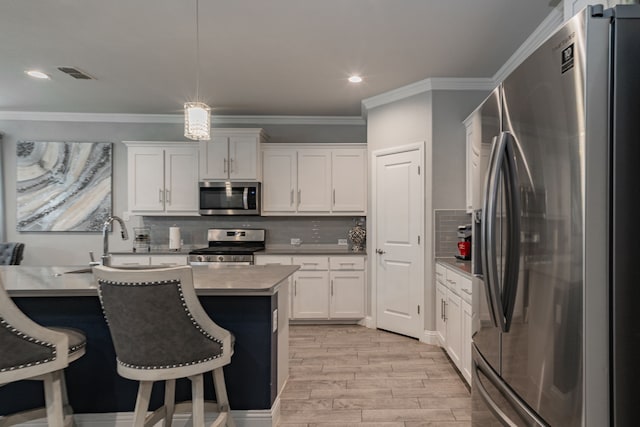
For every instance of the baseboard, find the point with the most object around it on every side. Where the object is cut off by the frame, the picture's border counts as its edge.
(248, 418)
(430, 337)
(368, 322)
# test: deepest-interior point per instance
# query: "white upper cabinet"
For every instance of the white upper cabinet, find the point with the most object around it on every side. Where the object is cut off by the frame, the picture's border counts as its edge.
(349, 178)
(314, 180)
(162, 178)
(231, 154)
(477, 160)
(279, 184)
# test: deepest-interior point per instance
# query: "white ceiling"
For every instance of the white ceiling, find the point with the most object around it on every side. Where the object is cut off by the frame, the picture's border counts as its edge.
(258, 57)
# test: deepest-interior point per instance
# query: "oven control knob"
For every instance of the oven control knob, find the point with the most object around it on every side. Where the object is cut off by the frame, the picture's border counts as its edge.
(201, 258)
(221, 258)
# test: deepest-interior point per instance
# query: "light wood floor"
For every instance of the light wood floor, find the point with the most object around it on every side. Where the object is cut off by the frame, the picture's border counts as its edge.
(354, 376)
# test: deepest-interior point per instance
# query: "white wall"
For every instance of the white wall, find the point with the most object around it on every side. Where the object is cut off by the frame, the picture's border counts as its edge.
(434, 117)
(450, 108)
(48, 248)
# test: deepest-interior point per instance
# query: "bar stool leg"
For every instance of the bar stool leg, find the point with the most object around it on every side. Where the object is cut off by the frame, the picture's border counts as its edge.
(142, 403)
(197, 396)
(221, 395)
(53, 399)
(169, 401)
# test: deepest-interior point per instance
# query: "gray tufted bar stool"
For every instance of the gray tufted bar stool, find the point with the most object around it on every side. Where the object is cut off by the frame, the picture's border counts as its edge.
(160, 332)
(29, 351)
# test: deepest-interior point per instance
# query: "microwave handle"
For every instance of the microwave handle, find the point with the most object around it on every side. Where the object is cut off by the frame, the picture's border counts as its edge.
(245, 198)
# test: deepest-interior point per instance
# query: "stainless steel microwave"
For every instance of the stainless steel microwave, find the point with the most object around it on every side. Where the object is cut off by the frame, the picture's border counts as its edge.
(229, 198)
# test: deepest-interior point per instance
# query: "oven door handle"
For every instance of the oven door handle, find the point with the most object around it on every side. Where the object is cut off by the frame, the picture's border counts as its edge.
(245, 198)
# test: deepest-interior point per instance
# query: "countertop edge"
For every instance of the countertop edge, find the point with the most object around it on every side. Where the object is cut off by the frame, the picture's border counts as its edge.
(460, 266)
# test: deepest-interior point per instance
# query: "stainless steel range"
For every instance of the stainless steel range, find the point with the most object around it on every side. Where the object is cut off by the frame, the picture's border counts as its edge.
(229, 247)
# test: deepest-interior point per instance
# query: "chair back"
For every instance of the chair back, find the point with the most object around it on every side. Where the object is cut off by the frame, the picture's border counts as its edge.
(27, 349)
(156, 320)
(11, 253)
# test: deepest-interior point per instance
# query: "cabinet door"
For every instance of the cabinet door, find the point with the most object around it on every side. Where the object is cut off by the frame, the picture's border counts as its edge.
(214, 158)
(465, 356)
(441, 327)
(181, 180)
(346, 294)
(314, 181)
(278, 181)
(243, 158)
(311, 295)
(349, 180)
(452, 317)
(146, 179)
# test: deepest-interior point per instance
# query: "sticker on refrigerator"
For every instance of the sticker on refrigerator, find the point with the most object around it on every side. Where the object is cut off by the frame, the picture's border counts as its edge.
(567, 58)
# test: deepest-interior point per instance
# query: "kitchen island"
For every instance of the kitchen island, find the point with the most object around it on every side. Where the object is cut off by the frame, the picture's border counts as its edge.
(249, 301)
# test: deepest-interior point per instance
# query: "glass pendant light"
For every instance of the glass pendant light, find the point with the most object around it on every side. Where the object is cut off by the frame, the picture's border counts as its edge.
(197, 115)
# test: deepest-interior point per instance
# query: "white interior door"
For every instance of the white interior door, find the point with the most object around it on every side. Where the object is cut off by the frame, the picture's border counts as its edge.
(399, 198)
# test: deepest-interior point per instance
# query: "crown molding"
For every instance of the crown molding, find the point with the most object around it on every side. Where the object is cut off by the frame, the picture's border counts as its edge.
(426, 85)
(539, 35)
(178, 118)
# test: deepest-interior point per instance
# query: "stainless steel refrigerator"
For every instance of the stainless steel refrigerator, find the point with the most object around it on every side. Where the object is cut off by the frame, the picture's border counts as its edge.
(557, 291)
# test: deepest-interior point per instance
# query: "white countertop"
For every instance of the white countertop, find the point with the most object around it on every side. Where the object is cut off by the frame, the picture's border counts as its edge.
(56, 281)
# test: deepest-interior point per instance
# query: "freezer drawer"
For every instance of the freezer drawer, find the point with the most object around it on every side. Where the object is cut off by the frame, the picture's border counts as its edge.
(494, 403)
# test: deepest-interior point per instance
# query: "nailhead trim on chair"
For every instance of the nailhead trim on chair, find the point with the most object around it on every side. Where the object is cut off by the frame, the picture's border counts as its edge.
(26, 337)
(186, 309)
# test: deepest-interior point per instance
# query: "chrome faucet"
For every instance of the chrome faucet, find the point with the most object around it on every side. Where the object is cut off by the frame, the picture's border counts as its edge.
(106, 258)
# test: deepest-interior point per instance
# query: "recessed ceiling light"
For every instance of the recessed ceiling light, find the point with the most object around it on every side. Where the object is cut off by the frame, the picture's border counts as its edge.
(37, 74)
(355, 79)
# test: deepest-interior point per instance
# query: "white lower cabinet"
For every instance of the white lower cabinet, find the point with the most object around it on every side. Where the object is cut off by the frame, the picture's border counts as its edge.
(325, 287)
(454, 317)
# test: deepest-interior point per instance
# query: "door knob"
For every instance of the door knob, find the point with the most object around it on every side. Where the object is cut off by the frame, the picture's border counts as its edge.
(380, 251)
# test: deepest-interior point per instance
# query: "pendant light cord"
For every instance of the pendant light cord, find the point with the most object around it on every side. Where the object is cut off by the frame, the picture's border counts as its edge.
(197, 53)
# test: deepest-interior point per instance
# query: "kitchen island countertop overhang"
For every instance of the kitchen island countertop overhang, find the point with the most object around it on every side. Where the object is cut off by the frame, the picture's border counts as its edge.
(61, 281)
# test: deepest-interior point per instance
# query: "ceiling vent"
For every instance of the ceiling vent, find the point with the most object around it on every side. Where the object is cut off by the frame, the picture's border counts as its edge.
(76, 73)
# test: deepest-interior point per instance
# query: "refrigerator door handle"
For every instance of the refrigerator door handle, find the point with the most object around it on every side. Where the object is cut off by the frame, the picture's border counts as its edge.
(480, 366)
(512, 259)
(488, 232)
(502, 169)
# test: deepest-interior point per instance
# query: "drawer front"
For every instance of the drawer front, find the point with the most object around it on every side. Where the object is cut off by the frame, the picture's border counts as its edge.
(346, 263)
(441, 274)
(272, 260)
(465, 289)
(169, 260)
(311, 262)
(129, 260)
(453, 281)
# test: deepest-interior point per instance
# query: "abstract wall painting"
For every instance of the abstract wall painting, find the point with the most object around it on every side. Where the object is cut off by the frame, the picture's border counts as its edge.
(63, 186)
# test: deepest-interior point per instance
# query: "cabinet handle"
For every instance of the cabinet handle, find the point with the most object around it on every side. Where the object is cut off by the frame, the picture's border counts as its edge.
(445, 311)
(441, 308)
(295, 288)
(334, 196)
(299, 196)
(167, 196)
(291, 203)
(466, 291)
(230, 165)
(224, 168)
(160, 193)
(331, 287)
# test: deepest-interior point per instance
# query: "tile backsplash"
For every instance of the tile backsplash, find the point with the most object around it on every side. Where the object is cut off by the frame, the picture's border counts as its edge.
(446, 231)
(280, 230)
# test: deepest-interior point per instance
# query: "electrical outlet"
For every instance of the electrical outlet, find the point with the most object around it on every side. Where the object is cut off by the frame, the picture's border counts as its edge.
(342, 242)
(296, 241)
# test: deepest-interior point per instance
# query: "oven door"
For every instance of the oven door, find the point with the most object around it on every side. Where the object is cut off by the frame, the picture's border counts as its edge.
(220, 264)
(229, 198)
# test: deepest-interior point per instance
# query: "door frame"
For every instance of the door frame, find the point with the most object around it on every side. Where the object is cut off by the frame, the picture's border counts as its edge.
(424, 149)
